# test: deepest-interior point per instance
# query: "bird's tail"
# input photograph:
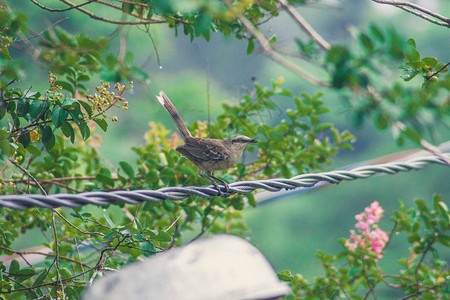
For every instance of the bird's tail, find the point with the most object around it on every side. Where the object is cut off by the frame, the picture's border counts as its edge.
(165, 102)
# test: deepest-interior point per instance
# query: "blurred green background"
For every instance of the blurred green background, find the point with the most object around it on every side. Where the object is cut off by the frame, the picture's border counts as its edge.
(291, 230)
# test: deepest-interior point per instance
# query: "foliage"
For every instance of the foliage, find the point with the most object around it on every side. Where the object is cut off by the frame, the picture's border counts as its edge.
(357, 274)
(49, 145)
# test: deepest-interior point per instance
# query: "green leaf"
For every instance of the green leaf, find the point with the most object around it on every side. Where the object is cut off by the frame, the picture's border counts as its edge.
(24, 138)
(68, 131)
(23, 107)
(285, 275)
(47, 137)
(86, 107)
(59, 116)
(65, 273)
(366, 42)
(127, 168)
(421, 205)
(159, 235)
(251, 199)
(24, 274)
(444, 240)
(33, 150)
(412, 133)
(323, 126)
(412, 55)
(413, 237)
(68, 102)
(411, 42)
(441, 209)
(430, 62)
(127, 7)
(66, 86)
(83, 77)
(14, 267)
(40, 278)
(2, 109)
(37, 108)
(84, 130)
(250, 46)
(102, 123)
(104, 176)
(5, 146)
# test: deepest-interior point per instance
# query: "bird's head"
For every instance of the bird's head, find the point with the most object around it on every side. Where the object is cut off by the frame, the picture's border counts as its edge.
(240, 142)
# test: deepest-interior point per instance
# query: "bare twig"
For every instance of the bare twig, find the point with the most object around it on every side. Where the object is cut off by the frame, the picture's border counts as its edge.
(418, 293)
(62, 9)
(135, 3)
(437, 72)
(58, 273)
(402, 127)
(425, 144)
(36, 35)
(28, 174)
(268, 50)
(305, 25)
(29, 252)
(96, 17)
(418, 11)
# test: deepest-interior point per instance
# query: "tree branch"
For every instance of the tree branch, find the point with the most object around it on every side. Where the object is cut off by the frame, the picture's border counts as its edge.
(305, 25)
(418, 11)
(268, 50)
(62, 9)
(28, 174)
(94, 16)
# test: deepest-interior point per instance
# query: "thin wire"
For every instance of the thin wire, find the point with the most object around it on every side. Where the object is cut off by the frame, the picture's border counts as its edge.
(242, 187)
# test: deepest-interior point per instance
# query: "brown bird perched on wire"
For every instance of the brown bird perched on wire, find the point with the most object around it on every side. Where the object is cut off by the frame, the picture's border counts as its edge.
(208, 155)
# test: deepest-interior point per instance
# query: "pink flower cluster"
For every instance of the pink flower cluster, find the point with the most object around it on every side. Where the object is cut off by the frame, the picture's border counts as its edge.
(369, 236)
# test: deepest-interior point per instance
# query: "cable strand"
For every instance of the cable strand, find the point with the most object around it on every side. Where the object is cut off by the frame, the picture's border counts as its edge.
(100, 198)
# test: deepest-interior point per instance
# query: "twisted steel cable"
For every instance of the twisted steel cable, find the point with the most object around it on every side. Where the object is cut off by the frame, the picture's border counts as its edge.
(242, 187)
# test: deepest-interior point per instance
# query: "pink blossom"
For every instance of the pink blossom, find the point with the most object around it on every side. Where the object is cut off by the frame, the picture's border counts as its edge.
(369, 237)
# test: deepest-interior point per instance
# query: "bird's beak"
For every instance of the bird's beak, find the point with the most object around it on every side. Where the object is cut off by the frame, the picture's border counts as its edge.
(253, 141)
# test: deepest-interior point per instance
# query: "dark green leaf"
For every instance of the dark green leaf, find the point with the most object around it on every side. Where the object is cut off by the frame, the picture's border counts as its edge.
(36, 108)
(48, 139)
(127, 168)
(66, 86)
(127, 7)
(102, 123)
(366, 42)
(250, 46)
(40, 278)
(23, 107)
(104, 176)
(84, 130)
(68, 102)
(413, 134)
(2, 109)
(14, 267)
(24, 274)
(68, 131)
(444, 240)
(59, 116)
(33, 150)
(24, 138)
(86, 107)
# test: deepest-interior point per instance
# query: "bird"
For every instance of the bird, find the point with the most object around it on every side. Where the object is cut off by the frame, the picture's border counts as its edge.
(208, 155)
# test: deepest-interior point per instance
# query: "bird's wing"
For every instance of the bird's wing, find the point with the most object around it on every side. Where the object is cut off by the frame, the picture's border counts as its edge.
(203, 150)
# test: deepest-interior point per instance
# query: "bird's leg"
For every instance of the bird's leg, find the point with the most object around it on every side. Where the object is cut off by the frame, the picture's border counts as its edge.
(225, 184)
(206, 176)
